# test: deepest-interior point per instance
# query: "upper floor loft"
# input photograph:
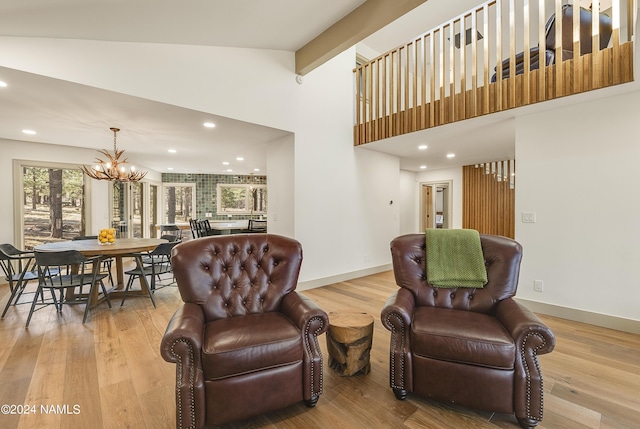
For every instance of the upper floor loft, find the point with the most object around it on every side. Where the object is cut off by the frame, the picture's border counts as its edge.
(500, 55)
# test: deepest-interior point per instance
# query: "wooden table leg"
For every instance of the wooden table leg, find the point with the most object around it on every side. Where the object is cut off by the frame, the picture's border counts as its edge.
(119, 273)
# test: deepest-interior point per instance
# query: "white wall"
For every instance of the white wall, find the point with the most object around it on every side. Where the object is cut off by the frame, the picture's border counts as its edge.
(578, 170)
(281, 186)
(340, 205)
(343, 216)
(253, 85)
(409, 203)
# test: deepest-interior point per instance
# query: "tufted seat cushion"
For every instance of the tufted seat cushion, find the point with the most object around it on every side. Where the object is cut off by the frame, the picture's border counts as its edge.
(463, 337)
(241, 345)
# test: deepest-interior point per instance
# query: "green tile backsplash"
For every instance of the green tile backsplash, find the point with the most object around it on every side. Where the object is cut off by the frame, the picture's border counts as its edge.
(206, 190)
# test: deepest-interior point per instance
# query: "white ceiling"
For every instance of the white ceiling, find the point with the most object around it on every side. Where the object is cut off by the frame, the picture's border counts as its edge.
(81, 116)
(237, 23)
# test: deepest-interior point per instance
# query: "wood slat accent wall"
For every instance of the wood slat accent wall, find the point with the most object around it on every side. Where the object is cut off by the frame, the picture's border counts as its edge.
(488, 198)
(444, 75)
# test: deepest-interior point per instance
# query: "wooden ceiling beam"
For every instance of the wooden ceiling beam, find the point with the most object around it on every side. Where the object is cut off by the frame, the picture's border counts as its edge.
(363, 21)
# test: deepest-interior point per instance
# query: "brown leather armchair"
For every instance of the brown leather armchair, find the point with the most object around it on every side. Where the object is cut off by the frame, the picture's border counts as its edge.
(549, 51)
(474, 347)
(244, 341)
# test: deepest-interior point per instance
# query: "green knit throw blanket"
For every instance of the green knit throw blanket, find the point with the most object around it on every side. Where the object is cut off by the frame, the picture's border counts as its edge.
(454, 258)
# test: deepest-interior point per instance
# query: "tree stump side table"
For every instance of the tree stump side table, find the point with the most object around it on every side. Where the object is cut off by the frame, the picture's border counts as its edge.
(349, 340)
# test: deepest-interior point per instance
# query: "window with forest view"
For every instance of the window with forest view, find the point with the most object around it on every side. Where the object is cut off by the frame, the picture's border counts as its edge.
(53, 204)
(179, 202)
(241, 199)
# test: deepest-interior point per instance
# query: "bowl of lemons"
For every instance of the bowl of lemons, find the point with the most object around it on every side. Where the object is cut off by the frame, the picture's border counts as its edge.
(107, 236)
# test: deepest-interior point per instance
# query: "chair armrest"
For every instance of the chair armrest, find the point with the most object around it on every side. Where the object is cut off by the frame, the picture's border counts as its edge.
(94, 260)
(185, 327)
(182, 345)
(302, 310)
(532, 338)
(396, 316)
(398, 310)
(522, 324)
(22, 254)
(312, 322)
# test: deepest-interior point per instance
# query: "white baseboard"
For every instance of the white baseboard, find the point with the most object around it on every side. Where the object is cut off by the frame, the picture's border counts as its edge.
(312, 284)
(611, 322)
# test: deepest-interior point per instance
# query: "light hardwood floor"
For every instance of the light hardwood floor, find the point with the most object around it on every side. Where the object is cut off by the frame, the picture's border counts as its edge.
(109, 373)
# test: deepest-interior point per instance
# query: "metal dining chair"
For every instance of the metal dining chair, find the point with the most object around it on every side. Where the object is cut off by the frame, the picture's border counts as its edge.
(169, 237)
(19, 269)
(64, 271)
(171, 229)
(106, 263)
(155, 263)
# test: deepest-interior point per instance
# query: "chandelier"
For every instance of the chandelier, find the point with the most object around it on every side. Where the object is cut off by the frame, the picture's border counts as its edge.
(113, 168)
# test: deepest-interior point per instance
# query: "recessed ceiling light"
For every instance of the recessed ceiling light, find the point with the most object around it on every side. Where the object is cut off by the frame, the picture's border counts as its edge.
(423, 167)
(3, 84)
(172, 151)
(225, 162)
(170, 168)
(30, 132)
(209, 125)
(256, 169)
(239, 158)
(451, 155)
(422, 147)
(229, 170)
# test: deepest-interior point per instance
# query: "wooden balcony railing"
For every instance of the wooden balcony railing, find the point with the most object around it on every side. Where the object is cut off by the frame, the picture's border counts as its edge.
(449, 74)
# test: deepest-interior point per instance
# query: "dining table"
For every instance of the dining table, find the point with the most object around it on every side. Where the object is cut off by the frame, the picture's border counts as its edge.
(121, 248)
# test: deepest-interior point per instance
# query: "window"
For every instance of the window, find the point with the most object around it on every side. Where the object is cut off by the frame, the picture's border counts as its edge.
(52, 205)
(179, 202)
(241, 199)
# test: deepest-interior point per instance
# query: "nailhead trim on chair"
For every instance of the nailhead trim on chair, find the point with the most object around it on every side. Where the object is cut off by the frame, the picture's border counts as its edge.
(179, 383)
(392, 355)
(528, 373)
(309, 351)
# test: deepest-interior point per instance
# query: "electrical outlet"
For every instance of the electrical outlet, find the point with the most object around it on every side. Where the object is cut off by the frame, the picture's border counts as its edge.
(538, 285)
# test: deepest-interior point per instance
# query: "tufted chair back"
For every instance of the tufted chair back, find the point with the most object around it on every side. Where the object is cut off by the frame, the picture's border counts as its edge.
(237, 275)
(502, 260)
(586, 40)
